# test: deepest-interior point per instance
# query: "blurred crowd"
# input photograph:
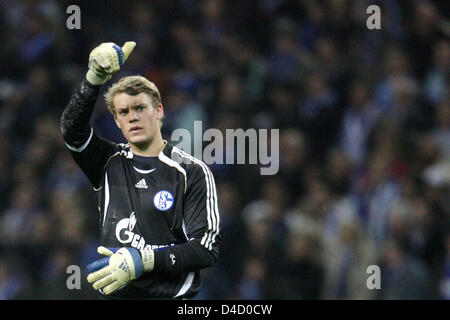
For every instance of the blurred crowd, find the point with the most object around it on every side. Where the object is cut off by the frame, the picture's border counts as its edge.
(364, 149)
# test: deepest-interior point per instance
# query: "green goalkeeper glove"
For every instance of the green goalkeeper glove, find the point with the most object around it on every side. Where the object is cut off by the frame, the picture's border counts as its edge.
(107, 59)
(118, 269)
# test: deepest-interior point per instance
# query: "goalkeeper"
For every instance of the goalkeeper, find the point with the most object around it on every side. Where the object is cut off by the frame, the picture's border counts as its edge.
(158, 206)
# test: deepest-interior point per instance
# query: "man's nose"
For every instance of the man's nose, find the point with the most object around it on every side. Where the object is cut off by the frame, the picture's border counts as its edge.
(133, 116)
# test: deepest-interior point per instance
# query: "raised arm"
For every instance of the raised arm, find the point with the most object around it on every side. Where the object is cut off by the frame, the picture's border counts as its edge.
(89, 151)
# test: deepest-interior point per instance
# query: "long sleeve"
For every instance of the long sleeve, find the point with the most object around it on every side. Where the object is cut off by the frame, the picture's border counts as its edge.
(201, 227)
(88, 150)
(75, 117)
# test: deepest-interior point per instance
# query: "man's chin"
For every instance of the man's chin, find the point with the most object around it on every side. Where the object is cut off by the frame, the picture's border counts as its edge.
(139, 142)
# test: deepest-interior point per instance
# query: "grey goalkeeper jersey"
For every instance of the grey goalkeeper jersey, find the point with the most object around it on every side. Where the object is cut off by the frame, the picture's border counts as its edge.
(166, 203)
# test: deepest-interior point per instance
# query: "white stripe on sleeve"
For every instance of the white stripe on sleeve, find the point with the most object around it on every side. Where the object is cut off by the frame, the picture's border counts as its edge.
(213, 218)
(79, 149)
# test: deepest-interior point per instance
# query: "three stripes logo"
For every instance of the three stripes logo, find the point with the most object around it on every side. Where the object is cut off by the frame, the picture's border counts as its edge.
(124, 266)
(141, 184)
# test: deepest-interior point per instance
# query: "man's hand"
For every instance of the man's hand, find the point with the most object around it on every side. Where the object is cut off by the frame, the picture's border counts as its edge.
(107, 59)
(114, 272)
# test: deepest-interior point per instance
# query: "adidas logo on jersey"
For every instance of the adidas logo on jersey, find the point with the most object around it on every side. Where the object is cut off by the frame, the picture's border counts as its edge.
(141, 184)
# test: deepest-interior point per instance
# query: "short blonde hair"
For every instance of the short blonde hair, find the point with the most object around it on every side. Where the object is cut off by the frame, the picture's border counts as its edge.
(132, 85)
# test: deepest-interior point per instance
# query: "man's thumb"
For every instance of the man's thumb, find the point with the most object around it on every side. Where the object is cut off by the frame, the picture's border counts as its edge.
(104, 251)
(127, 49)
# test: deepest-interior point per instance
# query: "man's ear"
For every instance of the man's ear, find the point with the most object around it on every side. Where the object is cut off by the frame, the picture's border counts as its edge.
(160, 111)
(114, 114)
(117, 122)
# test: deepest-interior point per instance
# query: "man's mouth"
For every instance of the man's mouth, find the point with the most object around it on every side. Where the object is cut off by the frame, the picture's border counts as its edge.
(135, 129)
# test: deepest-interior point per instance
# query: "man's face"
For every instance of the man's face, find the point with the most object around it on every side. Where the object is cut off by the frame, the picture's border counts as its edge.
(137, 117)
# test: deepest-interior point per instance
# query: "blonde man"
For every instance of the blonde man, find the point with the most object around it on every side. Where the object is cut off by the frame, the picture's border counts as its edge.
(158, 206)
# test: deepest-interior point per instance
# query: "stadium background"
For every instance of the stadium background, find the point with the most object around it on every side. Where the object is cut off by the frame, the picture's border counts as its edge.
(364, 123)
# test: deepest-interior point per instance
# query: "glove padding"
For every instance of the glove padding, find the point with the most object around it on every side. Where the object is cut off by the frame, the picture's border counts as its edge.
(107, 59)
(114, 272)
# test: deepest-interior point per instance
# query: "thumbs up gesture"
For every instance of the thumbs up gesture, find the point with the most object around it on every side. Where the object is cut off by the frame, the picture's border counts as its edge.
(106, 59)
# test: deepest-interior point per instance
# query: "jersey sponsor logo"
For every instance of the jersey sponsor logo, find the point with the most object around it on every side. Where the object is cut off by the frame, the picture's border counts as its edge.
(141, 184)
(163, 200)
(125, 234)
(132, 221)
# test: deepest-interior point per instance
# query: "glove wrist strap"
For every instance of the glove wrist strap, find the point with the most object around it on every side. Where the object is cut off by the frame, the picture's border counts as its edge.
(148, 260)
(95, 79)
(137, 262)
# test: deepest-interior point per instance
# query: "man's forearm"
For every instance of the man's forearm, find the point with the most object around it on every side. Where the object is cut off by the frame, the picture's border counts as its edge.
(187, 257)
(76, 116)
